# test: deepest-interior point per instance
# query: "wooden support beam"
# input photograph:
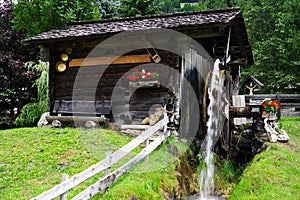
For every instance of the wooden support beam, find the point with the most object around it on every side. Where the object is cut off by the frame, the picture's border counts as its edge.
(143, 58)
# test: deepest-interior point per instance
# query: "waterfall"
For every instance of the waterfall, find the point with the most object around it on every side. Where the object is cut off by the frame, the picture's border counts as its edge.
(206, 179)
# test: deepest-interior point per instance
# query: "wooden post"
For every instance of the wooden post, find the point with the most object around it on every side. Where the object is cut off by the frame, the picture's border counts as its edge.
(108, 158)
(147, 156)
(64, 195)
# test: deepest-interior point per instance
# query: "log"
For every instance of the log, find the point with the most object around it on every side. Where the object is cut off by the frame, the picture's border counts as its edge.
(75, 118)
(110, 60)
(240, 111)
(136, 127)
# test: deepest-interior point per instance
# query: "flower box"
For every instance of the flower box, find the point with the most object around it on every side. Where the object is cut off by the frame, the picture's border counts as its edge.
(269, 115)
(270, 108)
(141, 78)
(144, 84)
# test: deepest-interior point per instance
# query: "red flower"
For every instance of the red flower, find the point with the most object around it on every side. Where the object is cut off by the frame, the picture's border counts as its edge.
(270, 106)
(132, 78)
(142, 75)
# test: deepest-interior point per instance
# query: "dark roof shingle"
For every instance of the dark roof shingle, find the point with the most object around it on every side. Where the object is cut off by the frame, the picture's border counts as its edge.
(172, 21)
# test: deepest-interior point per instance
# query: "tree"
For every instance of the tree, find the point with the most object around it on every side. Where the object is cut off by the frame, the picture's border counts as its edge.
(134, 8)
(15, 80)
(274, 31)
(169, 6)
(215, 4)
(36, 16)
(108, 8)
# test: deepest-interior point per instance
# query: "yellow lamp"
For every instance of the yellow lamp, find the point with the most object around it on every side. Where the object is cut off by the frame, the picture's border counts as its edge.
(61, 66)
(64, 57)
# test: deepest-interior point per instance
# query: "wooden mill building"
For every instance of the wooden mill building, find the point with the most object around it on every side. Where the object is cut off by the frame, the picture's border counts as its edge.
(90, 63)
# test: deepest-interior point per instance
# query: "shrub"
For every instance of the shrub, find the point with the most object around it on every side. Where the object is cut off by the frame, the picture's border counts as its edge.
(31, 112)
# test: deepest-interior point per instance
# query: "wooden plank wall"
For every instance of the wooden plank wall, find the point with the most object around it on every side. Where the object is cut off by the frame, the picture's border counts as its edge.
(62, 84)
(195, 69)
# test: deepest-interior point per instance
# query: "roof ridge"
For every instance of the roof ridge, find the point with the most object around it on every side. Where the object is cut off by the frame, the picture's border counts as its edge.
(154, 16)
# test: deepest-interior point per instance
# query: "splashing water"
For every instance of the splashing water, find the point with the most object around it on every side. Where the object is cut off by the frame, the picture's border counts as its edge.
(213, 131)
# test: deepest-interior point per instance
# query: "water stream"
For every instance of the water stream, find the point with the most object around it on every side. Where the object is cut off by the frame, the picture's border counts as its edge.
(206, 178)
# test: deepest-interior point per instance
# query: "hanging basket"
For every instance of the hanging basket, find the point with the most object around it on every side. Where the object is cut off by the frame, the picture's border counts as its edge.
(144, 84)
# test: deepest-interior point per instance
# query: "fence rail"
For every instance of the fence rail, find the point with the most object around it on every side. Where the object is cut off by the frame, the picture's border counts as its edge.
(289, 103)
(67, 184)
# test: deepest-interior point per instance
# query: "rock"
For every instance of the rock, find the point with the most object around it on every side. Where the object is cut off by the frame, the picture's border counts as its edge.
(158, 115)
(145, 121)
(56, 124)
(90, 124)
(130, 132)
(63, 164)
(43, 121)
(114, 126)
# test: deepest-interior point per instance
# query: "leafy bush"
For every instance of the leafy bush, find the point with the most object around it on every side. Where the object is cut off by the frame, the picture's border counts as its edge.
(31, 112)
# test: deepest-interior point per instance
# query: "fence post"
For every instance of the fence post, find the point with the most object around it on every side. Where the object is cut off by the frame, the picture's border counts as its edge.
(108, 158)
(147, 156)
(64, 195)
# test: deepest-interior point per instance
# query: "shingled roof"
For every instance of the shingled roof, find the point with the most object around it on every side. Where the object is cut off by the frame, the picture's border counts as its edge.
(178, 21)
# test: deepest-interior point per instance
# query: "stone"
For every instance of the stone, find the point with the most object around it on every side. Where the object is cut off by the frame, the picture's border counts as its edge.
(56, 124)
(158, 115)
(90, 124)
(145, 121)
(43, 121)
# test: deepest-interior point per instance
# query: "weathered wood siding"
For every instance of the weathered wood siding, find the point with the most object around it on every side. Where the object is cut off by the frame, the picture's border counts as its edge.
(195, 68)
(63, 87)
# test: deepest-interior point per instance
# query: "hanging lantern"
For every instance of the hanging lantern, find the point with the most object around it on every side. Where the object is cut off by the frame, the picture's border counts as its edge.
(61, 66)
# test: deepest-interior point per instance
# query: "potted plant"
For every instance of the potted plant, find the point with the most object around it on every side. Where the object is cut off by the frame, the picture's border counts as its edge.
(142, 78)
(270, 108)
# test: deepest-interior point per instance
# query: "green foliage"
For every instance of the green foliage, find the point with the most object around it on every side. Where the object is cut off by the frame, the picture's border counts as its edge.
(273, 29)
(108, 8)
(31, 112)
(132, 8)
(169, 6)
(37, 16)
(15, 79)
(227, 175)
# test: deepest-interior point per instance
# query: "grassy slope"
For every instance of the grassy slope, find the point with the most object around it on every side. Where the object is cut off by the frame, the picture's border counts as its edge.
(149, 180)
(32, 160)
(275, 173)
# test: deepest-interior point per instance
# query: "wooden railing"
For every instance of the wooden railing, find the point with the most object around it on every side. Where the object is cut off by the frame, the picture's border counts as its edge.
(289, 103)
(105, 165)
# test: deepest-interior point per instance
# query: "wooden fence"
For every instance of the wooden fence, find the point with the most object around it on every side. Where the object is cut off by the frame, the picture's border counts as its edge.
(289, 103)
(104, 165)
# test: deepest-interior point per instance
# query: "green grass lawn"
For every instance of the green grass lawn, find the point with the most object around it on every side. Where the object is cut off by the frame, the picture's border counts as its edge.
(32, 160)
(274, 174)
